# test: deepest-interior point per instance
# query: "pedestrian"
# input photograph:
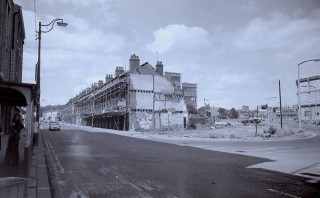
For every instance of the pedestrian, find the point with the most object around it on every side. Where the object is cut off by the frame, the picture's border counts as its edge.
(1, 132)
(0, 135)
(35, 134)
(12, 152)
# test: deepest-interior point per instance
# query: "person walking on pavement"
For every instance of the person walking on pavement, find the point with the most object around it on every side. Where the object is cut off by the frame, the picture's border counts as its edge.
(0, 135)
(12, 152)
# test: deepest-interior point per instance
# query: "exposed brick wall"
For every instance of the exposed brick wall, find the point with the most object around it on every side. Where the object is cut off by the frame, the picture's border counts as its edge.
(11, 27)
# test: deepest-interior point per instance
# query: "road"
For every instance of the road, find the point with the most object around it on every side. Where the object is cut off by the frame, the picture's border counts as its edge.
(85, 164)
(299, 157)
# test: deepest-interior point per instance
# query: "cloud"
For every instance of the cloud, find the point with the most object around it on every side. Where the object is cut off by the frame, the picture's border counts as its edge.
(71, 57)
(82, 36)
(77, 2)
(178, 37)
(276, 31)
(249, 5)
(234, 79)
(226, 48)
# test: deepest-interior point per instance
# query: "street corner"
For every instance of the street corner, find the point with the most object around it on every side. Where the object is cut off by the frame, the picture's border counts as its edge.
(311, 173)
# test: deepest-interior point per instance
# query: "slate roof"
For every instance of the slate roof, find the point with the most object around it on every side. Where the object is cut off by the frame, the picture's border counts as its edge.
(145, 68)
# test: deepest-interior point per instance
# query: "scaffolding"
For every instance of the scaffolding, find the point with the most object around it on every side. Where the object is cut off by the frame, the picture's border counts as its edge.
(105, 106)
(310, 98)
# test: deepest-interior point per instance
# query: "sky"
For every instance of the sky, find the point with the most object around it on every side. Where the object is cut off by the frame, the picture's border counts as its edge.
(236, 51)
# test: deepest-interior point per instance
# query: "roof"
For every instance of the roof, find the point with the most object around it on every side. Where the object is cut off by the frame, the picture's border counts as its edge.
(145, 68)
(11, 93)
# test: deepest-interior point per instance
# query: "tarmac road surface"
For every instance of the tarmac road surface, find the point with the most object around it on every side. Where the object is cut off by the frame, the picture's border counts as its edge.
(85, 164)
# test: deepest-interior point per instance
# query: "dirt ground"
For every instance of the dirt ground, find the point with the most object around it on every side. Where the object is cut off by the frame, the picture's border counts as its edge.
(234, 129)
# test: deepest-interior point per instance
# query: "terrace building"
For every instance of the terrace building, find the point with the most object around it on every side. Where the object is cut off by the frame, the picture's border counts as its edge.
(138, 99)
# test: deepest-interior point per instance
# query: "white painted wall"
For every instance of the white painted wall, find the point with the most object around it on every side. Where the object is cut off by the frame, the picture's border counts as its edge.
(142, 100)
(141, 82)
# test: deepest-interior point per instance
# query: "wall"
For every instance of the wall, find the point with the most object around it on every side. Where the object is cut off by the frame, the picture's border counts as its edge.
(143, 100)
(12, 29)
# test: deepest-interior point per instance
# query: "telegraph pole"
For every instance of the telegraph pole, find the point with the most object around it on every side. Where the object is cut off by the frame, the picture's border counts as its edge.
(280, 104)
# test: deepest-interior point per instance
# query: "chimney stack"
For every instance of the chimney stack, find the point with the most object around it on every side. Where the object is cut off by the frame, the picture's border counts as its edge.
(159, 67)
(108, 78)
(134, 61)
(100, 83)
(119, 70)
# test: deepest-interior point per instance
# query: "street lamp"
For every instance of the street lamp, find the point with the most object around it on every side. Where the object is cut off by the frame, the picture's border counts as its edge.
(299, 98)
(315, 101)
(50, 25)
(268, 108)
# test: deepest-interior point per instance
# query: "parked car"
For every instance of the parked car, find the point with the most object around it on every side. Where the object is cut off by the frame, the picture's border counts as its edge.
(54, 126)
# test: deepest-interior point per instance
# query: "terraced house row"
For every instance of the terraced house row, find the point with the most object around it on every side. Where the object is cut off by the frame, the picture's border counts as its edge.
(142, 98)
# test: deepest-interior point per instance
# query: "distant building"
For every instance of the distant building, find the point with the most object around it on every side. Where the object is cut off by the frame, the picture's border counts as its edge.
(52, 115)
(189, 91)
(245, 108)
(208, 111)
(310, 98)
(288, 113)
(176, 79)
(244, 112)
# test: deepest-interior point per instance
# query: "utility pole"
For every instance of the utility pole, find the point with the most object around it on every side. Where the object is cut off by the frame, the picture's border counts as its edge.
(153, 104)
(94, 98)
(256, 121)
(280, 104)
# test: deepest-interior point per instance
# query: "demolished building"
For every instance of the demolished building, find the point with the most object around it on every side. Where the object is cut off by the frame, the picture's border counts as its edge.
(141, 98)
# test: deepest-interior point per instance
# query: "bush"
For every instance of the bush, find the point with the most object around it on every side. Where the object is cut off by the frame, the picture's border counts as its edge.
(272, 130)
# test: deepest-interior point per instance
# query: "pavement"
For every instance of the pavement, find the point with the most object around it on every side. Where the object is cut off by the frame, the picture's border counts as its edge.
(38, 187)
(37, 182)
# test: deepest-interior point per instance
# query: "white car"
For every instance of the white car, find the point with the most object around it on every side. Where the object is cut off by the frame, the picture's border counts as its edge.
(54, 126)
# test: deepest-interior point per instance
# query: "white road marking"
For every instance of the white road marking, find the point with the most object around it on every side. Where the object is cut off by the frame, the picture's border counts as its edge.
(271, 148)
(283, 193)
(55, 157)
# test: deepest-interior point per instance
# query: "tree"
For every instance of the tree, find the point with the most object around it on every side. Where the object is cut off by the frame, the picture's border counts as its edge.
(233, 113)
(264, 106)
(222, 113)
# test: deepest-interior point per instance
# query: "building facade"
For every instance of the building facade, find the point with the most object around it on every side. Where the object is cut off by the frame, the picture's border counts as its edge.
(12, 37)
(310, 98)
(13, 93)
(175, 78)
(52, 115)
(189, 91)
(138, 99)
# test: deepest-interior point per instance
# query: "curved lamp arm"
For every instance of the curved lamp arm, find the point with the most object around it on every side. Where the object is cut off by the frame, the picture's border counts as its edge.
(59, 22)
(314, 60)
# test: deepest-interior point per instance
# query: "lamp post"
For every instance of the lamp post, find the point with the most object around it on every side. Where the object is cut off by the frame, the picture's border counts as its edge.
(268, 108)
(50, 25)
(299, 98)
